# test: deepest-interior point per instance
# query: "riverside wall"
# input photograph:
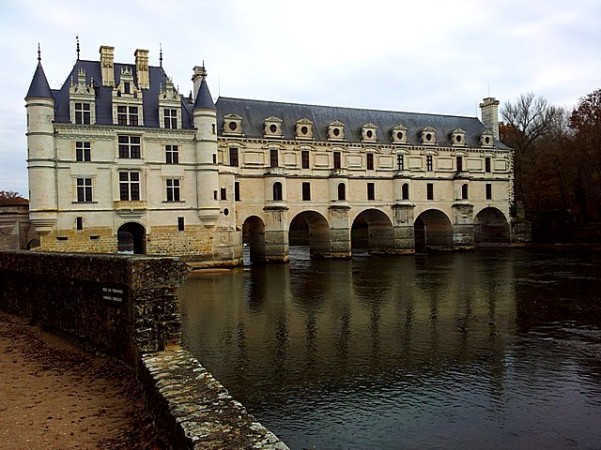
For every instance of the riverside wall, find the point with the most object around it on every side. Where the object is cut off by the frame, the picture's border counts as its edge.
(127, 308)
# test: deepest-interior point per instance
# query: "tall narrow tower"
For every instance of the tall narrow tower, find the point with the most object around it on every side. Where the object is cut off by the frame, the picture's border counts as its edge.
(41, 161)
(207, 171)
(490, 115)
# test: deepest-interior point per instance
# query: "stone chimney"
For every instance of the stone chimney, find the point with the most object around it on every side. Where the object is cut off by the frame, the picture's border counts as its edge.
(142, 68)
(490, 115)
(197, 76)
(107, 65)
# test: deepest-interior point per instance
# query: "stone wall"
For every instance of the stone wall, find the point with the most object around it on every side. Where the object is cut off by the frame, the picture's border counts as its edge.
(127, 307)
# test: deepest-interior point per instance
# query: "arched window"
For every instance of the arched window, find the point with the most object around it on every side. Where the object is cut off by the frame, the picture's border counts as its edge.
(342, 191)
(277, 191)
(405, 191)
(464, 192)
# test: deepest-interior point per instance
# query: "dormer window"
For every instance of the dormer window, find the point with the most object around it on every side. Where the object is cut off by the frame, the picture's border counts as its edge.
(273, 127)
(428, 136)
(399, 134)
(304, 129)
(232, 125)
(169, 106)
(82, 100)
(368, 133)
(486, 139)
(336, 131)
(458, 137)
(127, 101)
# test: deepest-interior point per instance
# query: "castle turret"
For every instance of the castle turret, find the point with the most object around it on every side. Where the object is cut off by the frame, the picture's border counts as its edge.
(207, 171)
(41, 161)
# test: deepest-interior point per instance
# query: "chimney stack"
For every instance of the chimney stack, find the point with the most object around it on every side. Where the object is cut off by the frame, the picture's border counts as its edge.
(142, 68)
(107, 65)
(197, 77)
(490, 115)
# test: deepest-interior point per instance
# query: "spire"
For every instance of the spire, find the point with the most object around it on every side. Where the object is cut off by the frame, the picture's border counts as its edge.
(77, 48)
(204, 100)
(161, 55)
(39, 86)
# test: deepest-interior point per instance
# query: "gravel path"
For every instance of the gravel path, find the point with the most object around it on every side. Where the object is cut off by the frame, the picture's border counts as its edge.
(54, 395)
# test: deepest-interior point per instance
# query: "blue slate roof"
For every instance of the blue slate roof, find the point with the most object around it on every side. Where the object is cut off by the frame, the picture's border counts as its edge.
(104, 113)
(203, 98)
(254, 113)
(39, 86)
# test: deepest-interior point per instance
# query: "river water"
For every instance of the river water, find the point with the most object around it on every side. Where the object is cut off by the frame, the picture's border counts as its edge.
(485, 350)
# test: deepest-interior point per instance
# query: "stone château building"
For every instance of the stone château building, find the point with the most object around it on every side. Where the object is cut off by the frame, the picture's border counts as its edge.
(119, 160)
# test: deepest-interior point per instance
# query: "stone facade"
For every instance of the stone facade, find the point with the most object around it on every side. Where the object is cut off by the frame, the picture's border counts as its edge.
(120, 161)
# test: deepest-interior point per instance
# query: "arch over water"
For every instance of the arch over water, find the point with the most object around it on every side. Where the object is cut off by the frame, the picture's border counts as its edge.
(433, 231)
(491, 228)
(131, 238)
(253, 235)
(312, 229)
(372, 229)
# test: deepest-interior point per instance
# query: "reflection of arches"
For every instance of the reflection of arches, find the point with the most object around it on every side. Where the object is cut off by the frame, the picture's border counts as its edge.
(253, 234)
(433, 231)
(131, 238)
(372, 229)
(312, 229)
(491, 228)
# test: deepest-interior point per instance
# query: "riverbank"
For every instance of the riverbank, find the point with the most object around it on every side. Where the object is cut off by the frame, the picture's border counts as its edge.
(57, 396)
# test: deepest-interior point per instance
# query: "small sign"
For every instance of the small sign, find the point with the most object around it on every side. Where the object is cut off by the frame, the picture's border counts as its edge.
(113, 293)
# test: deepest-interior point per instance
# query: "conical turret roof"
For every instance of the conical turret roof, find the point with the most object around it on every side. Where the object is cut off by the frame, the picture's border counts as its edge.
(39, 85)
(203, 97)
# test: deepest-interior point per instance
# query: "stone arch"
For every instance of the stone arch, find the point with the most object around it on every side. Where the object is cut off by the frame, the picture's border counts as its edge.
(312, 229)
(372, 229)
(131, 238)
(433, 231)
(491, 228)
(253, 236)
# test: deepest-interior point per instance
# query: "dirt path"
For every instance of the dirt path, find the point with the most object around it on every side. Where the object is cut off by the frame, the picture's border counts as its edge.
(55, 396)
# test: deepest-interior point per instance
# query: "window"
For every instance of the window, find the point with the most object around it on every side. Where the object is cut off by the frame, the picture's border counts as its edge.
(430, 191)
(429, 163)
(464, 192)
(172, 190)
(127, 87)
(371, 191)
(370, 161)
(180, 224)
(305, 159)
(129, 147)
(82, 113)
(489, 192)
(215, 195)
(84, 190)
(273, 158)
(487, 164)
(127, 115)
(223, 194)
(237, 191)
(341, 191)
(171, 154)
(82, 151)
(400, 162)
(234, 156)
(306, 191)
(405, 191)
(79, 223)
(129, 186)
(170, 118)
(337, 160)
(460, 164)
(277, 191)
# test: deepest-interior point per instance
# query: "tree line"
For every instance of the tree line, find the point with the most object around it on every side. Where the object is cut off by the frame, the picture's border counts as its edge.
(557, 165)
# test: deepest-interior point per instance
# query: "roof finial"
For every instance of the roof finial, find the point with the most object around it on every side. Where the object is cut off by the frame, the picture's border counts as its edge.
(39, 53)
(203, 69)
(77, 39)
(161, 55)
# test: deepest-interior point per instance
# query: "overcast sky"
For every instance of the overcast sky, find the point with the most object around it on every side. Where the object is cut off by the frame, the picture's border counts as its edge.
(432, 56)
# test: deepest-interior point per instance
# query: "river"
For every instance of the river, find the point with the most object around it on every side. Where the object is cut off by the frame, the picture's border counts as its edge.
(483, 350)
